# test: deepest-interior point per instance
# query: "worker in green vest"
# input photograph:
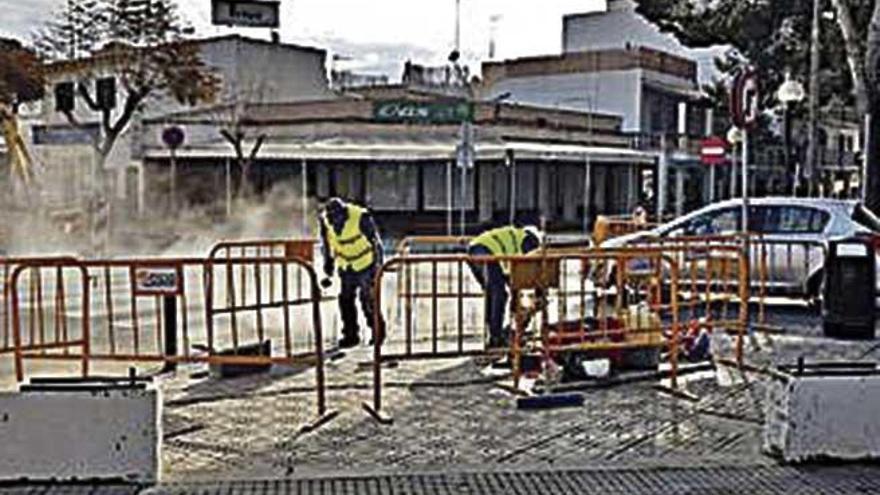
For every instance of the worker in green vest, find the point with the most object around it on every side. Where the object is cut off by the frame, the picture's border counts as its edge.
(351, 244)
(493, 276)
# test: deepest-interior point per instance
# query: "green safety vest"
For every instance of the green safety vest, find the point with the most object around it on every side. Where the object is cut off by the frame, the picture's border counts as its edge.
(351, 248)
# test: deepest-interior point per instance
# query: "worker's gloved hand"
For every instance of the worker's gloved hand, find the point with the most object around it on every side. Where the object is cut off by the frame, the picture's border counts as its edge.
(326, 282)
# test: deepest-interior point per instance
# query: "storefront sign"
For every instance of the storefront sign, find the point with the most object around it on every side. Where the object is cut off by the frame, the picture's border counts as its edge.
(157, 280)
(423, 112)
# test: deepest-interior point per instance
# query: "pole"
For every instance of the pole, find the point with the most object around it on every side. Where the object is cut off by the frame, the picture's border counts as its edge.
(458, 25)
(662, 177)
(228, 189)
(812, 146)
(169, 314)
(710, 121)
(866, 157)
(712, 183)
(745, 180)
(449, 207)
(463, 195)
(305, 198)
(512, 198)
(733, 170)
(787, 155)
(587, 172)
(173, 182)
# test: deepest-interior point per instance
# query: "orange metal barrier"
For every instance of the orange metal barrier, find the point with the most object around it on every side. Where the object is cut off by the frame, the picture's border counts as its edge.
(782, 267)
(7, 265)
(608, 227)
(546, 279)
(120, 311)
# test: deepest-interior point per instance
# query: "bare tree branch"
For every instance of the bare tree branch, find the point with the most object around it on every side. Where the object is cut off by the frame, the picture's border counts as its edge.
(257, 145)
(83, 91)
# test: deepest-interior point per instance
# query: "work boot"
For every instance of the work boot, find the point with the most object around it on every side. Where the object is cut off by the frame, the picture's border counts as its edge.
(497, 342)
(349, 341)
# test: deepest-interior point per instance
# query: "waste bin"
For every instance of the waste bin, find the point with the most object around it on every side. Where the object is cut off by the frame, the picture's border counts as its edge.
(850, 289)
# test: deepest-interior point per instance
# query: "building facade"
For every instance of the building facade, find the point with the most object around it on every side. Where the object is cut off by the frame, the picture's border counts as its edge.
(398, 151)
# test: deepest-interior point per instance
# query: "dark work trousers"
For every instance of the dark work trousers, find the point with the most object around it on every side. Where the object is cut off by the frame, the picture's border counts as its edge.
(357, 284)
(491, 278)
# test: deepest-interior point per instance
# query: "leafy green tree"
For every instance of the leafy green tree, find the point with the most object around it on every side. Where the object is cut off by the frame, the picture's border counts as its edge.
(774, 36)
(21, 75)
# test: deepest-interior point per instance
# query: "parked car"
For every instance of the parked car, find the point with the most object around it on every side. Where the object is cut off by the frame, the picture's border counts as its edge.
(794, 236)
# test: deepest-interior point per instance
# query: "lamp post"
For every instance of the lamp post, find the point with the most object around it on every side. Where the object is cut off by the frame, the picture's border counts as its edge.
(791, 91)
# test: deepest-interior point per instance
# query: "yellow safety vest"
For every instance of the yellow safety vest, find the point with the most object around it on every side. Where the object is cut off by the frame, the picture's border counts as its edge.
(503, 241)
(351, 248)
(20, 160)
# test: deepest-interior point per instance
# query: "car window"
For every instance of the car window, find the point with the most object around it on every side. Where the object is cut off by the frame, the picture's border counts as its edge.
(795, 220)
(724, 221)
(763, 219)
(864, 217)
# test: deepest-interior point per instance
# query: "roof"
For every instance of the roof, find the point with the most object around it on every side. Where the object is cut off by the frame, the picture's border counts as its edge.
(109, 56)
(593, 61)
(389, 148)
(257, 41)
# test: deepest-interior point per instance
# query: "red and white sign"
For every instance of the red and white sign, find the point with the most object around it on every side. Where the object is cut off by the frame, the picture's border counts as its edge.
(157, 280)
(713, 151)
(744, 99)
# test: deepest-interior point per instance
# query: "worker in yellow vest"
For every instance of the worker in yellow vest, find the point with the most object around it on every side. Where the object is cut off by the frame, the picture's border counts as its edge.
(351, 244)
(493, 276)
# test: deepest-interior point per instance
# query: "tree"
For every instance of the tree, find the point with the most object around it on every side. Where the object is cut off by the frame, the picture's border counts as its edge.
(231, 120)
(774, 36)
(142, 43)
(21, 81)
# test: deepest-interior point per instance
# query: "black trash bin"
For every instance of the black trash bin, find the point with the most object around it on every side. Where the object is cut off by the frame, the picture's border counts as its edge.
(850, 289)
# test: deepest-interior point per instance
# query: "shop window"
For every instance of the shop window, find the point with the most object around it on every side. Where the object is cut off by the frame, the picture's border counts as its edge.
(392, 187)
(436, 184)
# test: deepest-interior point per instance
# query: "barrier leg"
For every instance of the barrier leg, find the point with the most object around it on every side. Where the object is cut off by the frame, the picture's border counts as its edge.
(169, 312)
(324, 415)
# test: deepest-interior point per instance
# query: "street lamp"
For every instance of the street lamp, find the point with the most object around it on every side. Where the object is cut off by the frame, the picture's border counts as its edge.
(791, 91)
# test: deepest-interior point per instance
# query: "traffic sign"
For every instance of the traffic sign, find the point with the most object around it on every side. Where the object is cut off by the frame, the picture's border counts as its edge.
(744, 99)
(713, 151)
(173, 137)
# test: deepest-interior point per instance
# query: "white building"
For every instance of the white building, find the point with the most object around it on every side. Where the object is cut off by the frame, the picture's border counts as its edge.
(620, 26)
(249, 70)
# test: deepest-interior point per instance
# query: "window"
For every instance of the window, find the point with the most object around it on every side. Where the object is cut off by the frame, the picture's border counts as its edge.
(791, 220)
(436, 183)
(392, 187)
(726, 221)
(864, 217)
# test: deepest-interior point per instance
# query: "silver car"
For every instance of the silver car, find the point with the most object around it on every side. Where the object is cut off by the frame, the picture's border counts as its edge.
(794, 236)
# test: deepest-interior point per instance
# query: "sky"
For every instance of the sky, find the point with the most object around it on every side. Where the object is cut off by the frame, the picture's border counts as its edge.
(377, 36)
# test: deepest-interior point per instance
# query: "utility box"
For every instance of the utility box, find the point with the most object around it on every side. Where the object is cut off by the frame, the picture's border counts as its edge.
(66, 430)
(850, 289)
(824, 411)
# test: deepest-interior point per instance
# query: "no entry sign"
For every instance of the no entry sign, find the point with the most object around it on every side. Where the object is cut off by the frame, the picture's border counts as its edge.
(713, 151)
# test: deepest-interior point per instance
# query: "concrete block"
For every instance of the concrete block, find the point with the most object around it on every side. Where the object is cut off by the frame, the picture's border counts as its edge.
(823, 416)
(87, 433)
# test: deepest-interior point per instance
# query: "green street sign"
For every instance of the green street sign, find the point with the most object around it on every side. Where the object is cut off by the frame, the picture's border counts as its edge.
(423, 112)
